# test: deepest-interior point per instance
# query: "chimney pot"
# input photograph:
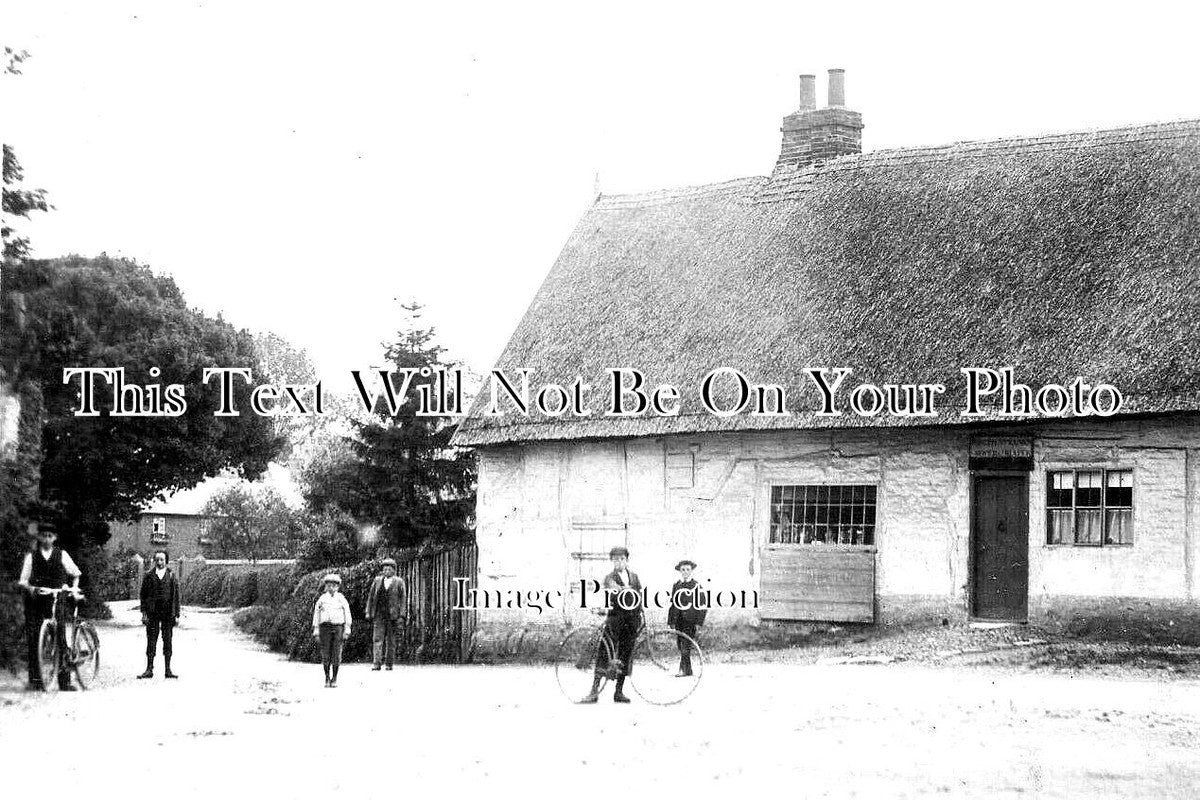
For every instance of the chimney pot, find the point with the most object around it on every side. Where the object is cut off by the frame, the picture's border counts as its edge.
(813, 135)
(837, 88)
(808, 92)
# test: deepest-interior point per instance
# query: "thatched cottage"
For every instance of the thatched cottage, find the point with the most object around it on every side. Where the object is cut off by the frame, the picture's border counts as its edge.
(1063, 257)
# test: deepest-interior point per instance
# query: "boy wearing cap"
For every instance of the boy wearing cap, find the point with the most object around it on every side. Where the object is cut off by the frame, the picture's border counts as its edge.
(45, 567)
(385, 608)
(160, 612)
(624, 590)
(688, 609)
(331, 626)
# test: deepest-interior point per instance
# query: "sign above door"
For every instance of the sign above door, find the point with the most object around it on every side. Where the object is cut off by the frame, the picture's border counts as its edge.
(1001, 453)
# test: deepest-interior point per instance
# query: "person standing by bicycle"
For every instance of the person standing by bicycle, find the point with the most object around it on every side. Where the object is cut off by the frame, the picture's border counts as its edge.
(623, 589)
(46, 567)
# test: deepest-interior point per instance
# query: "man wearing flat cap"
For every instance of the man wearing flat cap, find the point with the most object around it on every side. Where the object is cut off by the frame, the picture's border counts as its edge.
(624, 591)
(45, 567)
(689, 607)
(385, 608)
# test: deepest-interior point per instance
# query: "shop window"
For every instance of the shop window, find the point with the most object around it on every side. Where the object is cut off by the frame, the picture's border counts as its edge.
(1089, 507)
(823, 514)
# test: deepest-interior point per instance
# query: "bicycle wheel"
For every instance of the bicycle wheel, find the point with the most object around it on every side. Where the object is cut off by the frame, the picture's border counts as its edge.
(576, 659)
(85, 654)
(48, 654)
(657, 663)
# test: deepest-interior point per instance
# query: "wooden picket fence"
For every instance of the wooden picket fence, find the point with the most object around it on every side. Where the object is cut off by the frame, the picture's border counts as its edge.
(435, 632)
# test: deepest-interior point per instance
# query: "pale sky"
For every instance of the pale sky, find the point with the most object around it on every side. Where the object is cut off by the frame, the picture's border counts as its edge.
(299, 166)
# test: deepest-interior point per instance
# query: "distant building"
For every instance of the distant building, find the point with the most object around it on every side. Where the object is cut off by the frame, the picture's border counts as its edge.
(178, 523)
(181, 535)
(1060, 256)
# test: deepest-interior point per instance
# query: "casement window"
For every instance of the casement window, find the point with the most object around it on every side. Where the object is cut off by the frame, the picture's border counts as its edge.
(1089, 507)
(158, 530)
(591, 541)
(823, 514)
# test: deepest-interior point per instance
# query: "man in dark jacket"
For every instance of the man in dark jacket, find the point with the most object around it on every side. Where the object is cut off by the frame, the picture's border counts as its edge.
(45, 567)
(160, 612)
(624, 621)
(688, 608)
(385, 608)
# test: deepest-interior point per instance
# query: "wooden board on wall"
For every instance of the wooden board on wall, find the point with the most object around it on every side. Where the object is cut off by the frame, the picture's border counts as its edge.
(817, 584)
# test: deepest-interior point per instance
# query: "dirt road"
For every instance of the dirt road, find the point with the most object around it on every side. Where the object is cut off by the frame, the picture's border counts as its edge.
(241, 720)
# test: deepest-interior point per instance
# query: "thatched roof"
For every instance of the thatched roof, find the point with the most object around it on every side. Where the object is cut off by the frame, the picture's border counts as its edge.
(1075, 254)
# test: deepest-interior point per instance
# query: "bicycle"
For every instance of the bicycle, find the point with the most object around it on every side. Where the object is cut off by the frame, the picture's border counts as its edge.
(81, 655)
(654, 675)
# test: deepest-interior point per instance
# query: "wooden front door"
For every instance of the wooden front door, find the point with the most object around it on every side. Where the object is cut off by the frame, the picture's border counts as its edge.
(1000, 548)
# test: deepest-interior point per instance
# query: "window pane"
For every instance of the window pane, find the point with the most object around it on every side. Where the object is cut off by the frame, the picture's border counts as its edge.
(1060, 490)
(814, 514)
(1058, 527)
(1119, 491)
(1087, 526)
(1087, 489)
(1120, 526)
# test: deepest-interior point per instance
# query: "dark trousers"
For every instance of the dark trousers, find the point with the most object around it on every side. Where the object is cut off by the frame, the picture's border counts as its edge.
(623, 630)
(685, 648)
(37, 609)
(383, 640)
(330, 636)
(152, 630)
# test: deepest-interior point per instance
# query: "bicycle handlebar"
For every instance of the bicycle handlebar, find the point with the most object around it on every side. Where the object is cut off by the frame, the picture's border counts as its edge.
(78, 595)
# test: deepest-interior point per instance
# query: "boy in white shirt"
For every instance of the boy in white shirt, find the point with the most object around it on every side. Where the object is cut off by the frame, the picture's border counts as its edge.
(331, 626)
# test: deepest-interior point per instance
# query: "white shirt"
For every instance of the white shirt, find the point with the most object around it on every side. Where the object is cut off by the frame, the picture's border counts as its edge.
(387, 582)
(624, 576)
(160, 572)
(332, 608)
(27, 565)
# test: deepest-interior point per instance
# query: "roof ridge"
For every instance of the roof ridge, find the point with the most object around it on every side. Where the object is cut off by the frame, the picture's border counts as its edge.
(1176, 129)
(642, 199)
(784, 181)
(1013, 141)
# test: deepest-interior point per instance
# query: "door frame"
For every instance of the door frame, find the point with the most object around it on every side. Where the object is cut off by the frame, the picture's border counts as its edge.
(975, 475)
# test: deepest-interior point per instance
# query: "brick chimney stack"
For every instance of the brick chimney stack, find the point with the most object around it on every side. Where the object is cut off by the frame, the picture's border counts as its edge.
(811, 134)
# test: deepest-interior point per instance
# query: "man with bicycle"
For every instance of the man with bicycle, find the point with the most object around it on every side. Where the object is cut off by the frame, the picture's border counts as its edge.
(45, 567)
(624, 591)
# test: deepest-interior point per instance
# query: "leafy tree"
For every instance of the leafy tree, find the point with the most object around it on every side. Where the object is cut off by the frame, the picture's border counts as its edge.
(17, 202)
(332, 541)
(253, 522)
(398, 470)
(106, 312)
(282, 363)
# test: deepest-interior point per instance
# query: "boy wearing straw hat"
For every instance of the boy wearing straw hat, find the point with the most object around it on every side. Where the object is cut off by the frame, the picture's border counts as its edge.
(331, 626)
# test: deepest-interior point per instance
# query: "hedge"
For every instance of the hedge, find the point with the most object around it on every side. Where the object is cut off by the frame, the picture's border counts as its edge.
(217, 585)
(286, 626)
